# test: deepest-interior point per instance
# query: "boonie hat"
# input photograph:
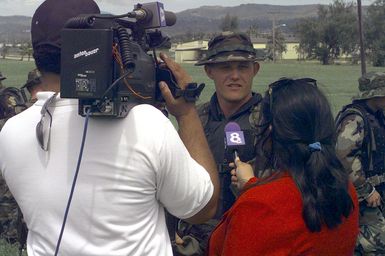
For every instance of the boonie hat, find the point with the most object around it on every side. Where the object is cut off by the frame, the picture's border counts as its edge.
(51, 16)
(34, 77)
(229, 46)
(371, 85)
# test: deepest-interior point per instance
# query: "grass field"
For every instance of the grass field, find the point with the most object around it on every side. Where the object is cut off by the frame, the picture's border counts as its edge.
(339, 82)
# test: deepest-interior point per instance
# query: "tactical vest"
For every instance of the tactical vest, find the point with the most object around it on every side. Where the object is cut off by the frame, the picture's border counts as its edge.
(248, 122)
(373, 145)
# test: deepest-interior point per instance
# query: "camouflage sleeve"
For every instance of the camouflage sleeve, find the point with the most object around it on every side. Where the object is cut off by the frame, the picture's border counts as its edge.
(350, 136)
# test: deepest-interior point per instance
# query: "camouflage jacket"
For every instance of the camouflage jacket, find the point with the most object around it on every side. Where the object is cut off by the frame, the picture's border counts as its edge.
(354, 136)
(11, 103)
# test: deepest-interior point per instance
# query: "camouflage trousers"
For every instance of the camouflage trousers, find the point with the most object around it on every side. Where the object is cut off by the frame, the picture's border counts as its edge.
(371, 239)
(9, 214)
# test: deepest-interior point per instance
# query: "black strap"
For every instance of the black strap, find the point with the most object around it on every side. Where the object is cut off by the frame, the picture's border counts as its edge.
(191, 93)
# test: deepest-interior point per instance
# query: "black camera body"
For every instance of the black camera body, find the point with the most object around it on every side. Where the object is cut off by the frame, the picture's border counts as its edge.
(105, 61)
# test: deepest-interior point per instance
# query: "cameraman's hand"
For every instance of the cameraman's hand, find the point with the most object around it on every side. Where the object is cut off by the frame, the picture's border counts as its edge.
(177, 107)
(241, 174)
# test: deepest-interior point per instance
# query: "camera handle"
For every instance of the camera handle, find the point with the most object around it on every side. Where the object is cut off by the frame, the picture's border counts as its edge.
(191, 93)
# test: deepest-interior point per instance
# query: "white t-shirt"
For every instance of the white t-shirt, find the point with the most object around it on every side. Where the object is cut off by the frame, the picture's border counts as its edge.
(132, 168)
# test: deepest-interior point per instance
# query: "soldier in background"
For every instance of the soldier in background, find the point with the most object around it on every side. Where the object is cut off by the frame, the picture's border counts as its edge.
(33, 85)
(12, 228)
(361, 149)
(1, 79)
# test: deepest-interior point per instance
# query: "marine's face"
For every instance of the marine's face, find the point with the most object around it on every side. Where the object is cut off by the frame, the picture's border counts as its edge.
(233, 80)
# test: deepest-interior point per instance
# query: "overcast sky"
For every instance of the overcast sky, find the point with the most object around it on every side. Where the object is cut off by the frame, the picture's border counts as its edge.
(28, 7)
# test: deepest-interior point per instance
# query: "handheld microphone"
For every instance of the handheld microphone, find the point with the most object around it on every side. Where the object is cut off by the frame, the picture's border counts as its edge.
(234, 141)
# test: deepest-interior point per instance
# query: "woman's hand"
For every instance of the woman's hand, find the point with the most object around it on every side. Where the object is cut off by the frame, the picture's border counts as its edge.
(241, 174)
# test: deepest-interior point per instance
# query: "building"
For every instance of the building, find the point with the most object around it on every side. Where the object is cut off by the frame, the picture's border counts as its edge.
(192, 51)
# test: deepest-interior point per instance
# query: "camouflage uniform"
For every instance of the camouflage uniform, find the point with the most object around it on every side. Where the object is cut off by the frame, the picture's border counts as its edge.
(11, 103)
(33, 80)
(361, 149)
(226, 47)
(1, 79)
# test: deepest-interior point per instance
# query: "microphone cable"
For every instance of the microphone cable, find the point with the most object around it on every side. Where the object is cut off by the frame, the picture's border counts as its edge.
(74, 181)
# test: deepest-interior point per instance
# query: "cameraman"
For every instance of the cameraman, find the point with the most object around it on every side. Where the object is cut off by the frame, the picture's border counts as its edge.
(131, 170)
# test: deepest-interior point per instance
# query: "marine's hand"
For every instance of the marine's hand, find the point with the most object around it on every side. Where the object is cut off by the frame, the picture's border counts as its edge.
(241, 174)
(374, 200)
(177, 107)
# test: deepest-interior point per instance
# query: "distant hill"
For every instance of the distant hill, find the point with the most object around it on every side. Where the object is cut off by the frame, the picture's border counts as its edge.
(209, 18)
(203, 19)
(15, 28)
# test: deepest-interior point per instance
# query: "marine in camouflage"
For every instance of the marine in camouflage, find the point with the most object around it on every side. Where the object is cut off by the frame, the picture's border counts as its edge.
(371, 85)
(223, 48)
(9, 214)
(11, 103)
(356, 137)
(32, 85)
(349, 151)
(1, 79)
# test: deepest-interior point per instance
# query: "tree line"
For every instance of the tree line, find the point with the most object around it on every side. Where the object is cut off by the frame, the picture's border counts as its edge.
(332, 34)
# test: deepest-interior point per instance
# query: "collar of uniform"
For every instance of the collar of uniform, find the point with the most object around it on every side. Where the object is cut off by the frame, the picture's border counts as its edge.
(217, 114)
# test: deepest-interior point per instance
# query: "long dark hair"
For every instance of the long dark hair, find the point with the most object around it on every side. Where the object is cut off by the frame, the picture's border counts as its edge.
(300, 115)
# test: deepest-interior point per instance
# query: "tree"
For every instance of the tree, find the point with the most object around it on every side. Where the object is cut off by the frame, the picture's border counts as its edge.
(330, 35)
(280, 45)
(5, 51)
(374, 32)
(229, 23)
(252, 30)
(26, 49)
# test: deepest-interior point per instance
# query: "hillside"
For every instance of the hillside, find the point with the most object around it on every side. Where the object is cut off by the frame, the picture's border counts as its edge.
(208, 18)
(14, 28)
(205, 18)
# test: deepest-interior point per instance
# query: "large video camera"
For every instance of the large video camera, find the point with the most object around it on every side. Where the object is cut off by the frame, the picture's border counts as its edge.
(106, 64)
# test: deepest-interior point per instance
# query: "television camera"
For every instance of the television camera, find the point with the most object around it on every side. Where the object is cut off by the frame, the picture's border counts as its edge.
(109, 62)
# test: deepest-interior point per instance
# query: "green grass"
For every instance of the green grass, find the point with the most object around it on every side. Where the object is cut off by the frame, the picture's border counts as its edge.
(15, 71)
(339, 82)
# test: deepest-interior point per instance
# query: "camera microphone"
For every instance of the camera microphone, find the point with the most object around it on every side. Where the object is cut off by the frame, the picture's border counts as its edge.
(153, 15)
(234, 141)
(170, 18)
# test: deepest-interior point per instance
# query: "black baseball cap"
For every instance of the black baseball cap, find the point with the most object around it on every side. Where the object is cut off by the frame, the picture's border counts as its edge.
(51, 16)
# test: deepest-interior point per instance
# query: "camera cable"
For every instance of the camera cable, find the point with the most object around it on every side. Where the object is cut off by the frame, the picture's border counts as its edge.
(74, 181)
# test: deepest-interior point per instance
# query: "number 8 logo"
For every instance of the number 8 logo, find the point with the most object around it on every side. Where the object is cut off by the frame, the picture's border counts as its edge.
(235, 138)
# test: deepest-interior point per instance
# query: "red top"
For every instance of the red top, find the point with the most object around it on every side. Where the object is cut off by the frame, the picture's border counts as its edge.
(267, 220)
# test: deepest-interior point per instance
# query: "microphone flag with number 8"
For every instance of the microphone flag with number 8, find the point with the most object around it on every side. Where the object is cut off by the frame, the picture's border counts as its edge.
(234, 141)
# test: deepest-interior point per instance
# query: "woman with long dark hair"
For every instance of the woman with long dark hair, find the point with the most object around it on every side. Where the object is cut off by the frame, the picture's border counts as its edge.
(307, 206)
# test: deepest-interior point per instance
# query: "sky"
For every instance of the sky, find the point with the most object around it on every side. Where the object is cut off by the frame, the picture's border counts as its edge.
(28, 7)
